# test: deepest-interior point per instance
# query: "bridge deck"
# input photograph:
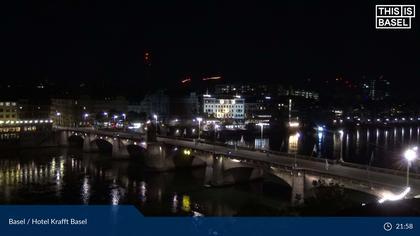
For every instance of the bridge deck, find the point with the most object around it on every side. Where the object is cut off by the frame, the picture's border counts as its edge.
(348, 172)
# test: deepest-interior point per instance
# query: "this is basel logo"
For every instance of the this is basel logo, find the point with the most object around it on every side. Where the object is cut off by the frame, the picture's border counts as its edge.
(394, 16)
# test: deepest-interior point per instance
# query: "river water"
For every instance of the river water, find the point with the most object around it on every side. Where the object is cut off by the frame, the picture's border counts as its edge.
(68, 176)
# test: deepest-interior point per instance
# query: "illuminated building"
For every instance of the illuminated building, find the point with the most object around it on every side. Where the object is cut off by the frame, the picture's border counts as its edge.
(221, 108)
(303, 93)
(8, 111)
(65, 112)
(376, 89)
(155, 103)
(32, 109)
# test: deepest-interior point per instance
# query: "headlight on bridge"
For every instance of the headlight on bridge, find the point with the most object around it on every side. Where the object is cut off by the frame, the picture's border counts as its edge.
(187, 152)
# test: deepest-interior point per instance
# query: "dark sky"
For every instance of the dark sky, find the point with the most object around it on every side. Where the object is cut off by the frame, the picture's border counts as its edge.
(277, 40)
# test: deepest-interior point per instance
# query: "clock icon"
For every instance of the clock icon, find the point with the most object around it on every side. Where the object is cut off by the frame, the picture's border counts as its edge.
(387, 226)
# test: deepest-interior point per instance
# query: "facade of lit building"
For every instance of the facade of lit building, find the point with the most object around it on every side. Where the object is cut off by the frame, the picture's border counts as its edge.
(376, 89)
(243, 89)
(8, 111)
(64, 112)
(155, 103)
(31, 109)
(221, 108)
(14, 126)
(303, 93)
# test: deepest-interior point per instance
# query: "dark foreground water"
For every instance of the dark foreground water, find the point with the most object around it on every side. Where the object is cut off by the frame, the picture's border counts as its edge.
(67, 176)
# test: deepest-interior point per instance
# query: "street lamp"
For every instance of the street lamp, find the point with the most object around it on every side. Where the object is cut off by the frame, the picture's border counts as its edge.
(156, 122)
(115, 117)
(199, 119)
(410, 155)
(58, 114)
(341, 132)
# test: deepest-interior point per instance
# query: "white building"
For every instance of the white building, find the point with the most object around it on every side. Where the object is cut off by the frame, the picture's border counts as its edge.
(220, 108)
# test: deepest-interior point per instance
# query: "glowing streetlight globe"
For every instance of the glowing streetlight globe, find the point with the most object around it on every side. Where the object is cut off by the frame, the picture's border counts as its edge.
(410, 155)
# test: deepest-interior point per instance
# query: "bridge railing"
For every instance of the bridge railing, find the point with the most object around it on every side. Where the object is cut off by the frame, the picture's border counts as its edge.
(302, 157)
(356, 180)
(381, 170)
(298, 156)
(119, 134)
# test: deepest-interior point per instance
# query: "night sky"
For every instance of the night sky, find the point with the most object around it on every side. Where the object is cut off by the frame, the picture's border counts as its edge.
(274, 41)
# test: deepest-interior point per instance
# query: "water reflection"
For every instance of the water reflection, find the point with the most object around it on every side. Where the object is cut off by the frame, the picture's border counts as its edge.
(85, 190)
(62, 177)
(358, 142)
(143, 191)
(175, 203)
(318, 147)
(395, 136)
(293, 143)
(262, 143)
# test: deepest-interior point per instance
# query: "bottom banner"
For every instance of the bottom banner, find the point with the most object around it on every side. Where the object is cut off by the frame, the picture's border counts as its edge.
(127, 220)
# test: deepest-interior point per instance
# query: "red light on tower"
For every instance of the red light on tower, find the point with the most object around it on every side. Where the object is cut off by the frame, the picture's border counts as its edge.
(147, 59)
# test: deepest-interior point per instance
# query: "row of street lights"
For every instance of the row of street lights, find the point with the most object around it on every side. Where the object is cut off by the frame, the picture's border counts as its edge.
(198, 119)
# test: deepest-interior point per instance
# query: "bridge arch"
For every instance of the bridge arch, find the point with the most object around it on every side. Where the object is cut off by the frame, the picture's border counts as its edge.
(104, 145)
(76, 140)
(228, 171)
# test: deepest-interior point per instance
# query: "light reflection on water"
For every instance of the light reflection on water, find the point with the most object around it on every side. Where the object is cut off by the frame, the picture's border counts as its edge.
(70, 177)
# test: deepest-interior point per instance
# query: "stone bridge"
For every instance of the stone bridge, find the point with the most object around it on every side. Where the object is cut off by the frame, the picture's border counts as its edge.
(226, 166)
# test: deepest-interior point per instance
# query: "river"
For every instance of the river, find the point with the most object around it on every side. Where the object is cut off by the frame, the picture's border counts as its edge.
(68, 176)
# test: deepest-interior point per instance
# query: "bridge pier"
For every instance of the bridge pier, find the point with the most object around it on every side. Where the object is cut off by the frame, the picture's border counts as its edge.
(296, 179)
(89, 144)
(119, 149)
(298, 187)
(228, 171)
(156, 157)
(63, 138)
(163, 157)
